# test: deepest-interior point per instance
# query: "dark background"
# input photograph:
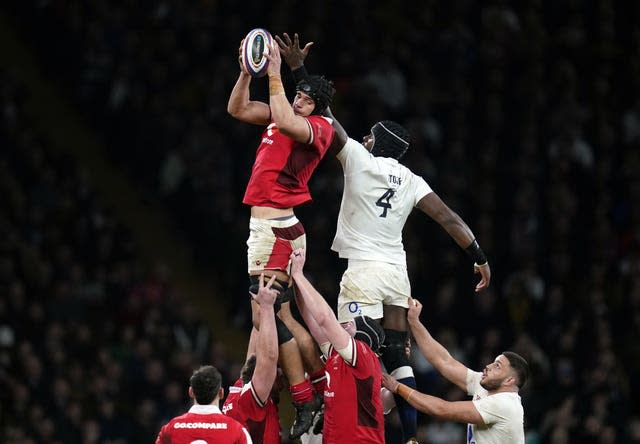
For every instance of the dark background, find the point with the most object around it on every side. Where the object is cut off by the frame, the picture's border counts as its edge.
(524, 117)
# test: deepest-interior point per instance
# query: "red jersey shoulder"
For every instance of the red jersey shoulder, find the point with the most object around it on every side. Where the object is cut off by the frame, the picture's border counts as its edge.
(242, 403)
(322, 130)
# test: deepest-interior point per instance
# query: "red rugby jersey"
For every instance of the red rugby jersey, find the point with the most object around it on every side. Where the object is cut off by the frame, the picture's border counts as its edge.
(281, 171)
(352, 402)
(203, 423)
(262, 421)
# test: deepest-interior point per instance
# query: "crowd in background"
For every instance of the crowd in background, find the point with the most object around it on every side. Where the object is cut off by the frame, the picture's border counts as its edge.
(95, 344)
(525, 119)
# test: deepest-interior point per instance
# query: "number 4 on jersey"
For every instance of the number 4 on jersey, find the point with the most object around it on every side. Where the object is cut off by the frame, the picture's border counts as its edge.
(384, 201)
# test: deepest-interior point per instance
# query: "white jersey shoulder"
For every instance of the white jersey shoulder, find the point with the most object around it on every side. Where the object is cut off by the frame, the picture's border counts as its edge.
(502, 414)
(379, 194)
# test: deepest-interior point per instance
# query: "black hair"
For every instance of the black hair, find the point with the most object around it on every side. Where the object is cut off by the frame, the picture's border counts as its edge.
(205, 384)
(390, 139)
(369, 331)
(320, 89)
(248, 368)
(519, 365)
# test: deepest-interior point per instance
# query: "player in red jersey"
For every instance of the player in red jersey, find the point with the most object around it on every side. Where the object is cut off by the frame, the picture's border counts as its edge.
(249, 400)
(204, 422)
(352, 402)
(292, 145)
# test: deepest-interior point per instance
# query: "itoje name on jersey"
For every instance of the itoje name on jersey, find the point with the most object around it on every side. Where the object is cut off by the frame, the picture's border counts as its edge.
(395, 180)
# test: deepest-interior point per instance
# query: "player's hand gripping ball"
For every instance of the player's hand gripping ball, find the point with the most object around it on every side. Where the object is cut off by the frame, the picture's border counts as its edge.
(253, 48)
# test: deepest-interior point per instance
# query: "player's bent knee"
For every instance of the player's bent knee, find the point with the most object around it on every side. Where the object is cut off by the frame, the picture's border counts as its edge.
(394, 354)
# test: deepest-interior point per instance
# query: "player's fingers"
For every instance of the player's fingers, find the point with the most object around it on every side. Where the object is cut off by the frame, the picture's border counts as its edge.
(287, 39)
(271, 281)
(274, 50)
(296, 39)
(307, 47)
(481, 285)
(268, 50)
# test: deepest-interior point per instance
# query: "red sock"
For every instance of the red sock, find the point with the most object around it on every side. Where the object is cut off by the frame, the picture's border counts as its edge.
(319, 381)
(302, 393)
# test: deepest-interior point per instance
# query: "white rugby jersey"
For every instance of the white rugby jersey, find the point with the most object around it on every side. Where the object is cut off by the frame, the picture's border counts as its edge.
(379, 194)
(502, 414)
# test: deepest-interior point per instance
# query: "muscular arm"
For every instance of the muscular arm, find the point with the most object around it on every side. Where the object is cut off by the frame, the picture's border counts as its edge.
(251, 348)
(244, 109)
(458, 411)
(266, 344)
(435, 353)
(434, 207)
(314, 306)
(340, 137)
(316, 331)
(288, 123)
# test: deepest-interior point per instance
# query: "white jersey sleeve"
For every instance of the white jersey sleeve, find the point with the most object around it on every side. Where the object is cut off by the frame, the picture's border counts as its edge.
(502, 414)
(379, 194)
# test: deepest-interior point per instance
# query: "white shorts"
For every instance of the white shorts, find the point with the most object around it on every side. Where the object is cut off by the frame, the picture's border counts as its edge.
(271, 242)
(368, 285)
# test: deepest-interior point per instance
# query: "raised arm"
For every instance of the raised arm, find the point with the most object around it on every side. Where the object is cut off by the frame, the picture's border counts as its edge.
(316, 331)
(266, 343)
(435, 208)
(435, 353)
(288, 123)
(251, 348)
(314, 306)
(240, 106)
(340, 137)
(294, 56)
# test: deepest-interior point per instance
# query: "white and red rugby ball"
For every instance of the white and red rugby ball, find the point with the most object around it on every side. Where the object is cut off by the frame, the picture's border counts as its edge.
(253, 48)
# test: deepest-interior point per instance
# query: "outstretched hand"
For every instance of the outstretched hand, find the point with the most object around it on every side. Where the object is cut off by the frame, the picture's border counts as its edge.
(266, 295)
(291, 52)
(485, 272)
(415, 308)
(297, 258)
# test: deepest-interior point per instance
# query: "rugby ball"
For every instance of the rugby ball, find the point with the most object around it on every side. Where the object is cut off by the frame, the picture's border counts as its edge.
(253, 48)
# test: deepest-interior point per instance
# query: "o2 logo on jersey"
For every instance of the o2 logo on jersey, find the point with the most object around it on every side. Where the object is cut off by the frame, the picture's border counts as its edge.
(354, 308)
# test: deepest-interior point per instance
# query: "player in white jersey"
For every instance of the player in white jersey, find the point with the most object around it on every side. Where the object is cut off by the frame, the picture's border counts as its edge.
(495, 414)
(379, 194)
